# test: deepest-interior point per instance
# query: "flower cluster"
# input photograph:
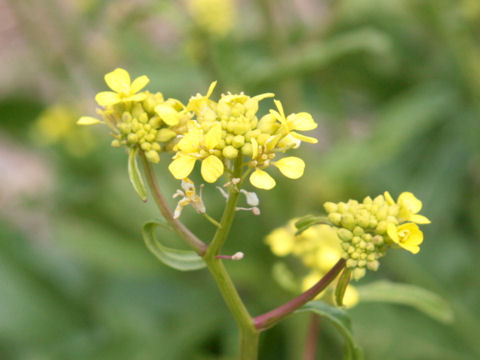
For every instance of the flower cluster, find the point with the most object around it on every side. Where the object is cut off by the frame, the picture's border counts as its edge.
(369, 228)
(138, 118)
(229, 129)
(216, 133)
(319, 249)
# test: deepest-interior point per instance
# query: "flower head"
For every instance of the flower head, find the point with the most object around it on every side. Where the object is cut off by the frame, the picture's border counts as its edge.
(369, 228)
(123, 88)
(408, 236)
(319, 249)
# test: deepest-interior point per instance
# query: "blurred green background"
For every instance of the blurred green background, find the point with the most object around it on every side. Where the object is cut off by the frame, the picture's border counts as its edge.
(395, 88)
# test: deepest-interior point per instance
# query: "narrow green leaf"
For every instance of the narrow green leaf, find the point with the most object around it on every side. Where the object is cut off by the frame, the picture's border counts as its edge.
(183, 260)
(135, 176)
(340, 319)
(307, 221)
(419, 298)
(342, 286)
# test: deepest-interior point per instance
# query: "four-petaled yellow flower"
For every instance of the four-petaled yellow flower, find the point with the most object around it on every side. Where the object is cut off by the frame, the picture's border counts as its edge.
(407, 236)
(302, 122)
(123, 88)
(409, 206)
(197, 145)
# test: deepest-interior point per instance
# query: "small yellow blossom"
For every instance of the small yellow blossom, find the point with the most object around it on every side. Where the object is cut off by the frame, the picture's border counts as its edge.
(123, 88)
(407, 236)
(56, 125)
(319, 248)
(198, 145)
(215, 17)
(301, 121)
(409, 206)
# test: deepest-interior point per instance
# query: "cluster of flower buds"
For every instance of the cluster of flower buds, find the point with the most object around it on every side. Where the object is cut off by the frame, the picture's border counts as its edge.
(319, 249)
(217, 134)
(138, 118)
(369, 228)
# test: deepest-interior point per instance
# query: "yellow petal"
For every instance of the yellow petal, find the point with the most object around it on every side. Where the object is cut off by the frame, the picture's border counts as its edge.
(262, 180)
(304, 138)
(167, 114)
(410, 202)
(414, 249)
(88, 120)
(137, 97)
(182, 167)
(292, 167)
(302, 121)
(212, 168)
(210, 89)
(388, 198)
(106, 98)
(139, 83)
(419, 219)
(254, 148)
(213, 137)
(392, 232)
(279, 106)
(281, 241)
(118, 80)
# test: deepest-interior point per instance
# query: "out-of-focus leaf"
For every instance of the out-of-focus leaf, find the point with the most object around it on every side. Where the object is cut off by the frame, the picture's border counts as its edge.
(285, 278)
(405, 118)
(135, 176)
(419, 298)
(183, 260)
(318, 55)
(340, 319)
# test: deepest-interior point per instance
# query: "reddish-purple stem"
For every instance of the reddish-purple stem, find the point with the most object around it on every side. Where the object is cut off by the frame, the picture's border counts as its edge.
(265, 321)
(312, 338)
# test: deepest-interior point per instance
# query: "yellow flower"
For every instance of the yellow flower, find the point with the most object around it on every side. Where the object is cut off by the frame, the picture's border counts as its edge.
(409, 206)
(281, 241)
(203, 107)
(196, 145)
(123, 88)
(215, 17)
(302, 121)
(408, 236)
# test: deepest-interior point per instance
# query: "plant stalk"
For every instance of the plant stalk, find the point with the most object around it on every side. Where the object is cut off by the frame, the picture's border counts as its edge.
(198, 245)
(267, 320)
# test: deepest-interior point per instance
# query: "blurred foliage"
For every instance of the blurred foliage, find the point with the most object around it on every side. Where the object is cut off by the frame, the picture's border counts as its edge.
(395, 87)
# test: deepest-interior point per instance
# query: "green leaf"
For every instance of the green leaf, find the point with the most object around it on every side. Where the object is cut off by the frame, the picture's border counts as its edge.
(419, 298)
(307, 221)
(183, 260)
(342, 286)
(135, 176)
(340, 319)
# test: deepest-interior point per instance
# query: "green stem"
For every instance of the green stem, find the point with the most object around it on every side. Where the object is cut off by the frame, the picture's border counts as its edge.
(248, 333)
(198, 245)
(228, 214)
